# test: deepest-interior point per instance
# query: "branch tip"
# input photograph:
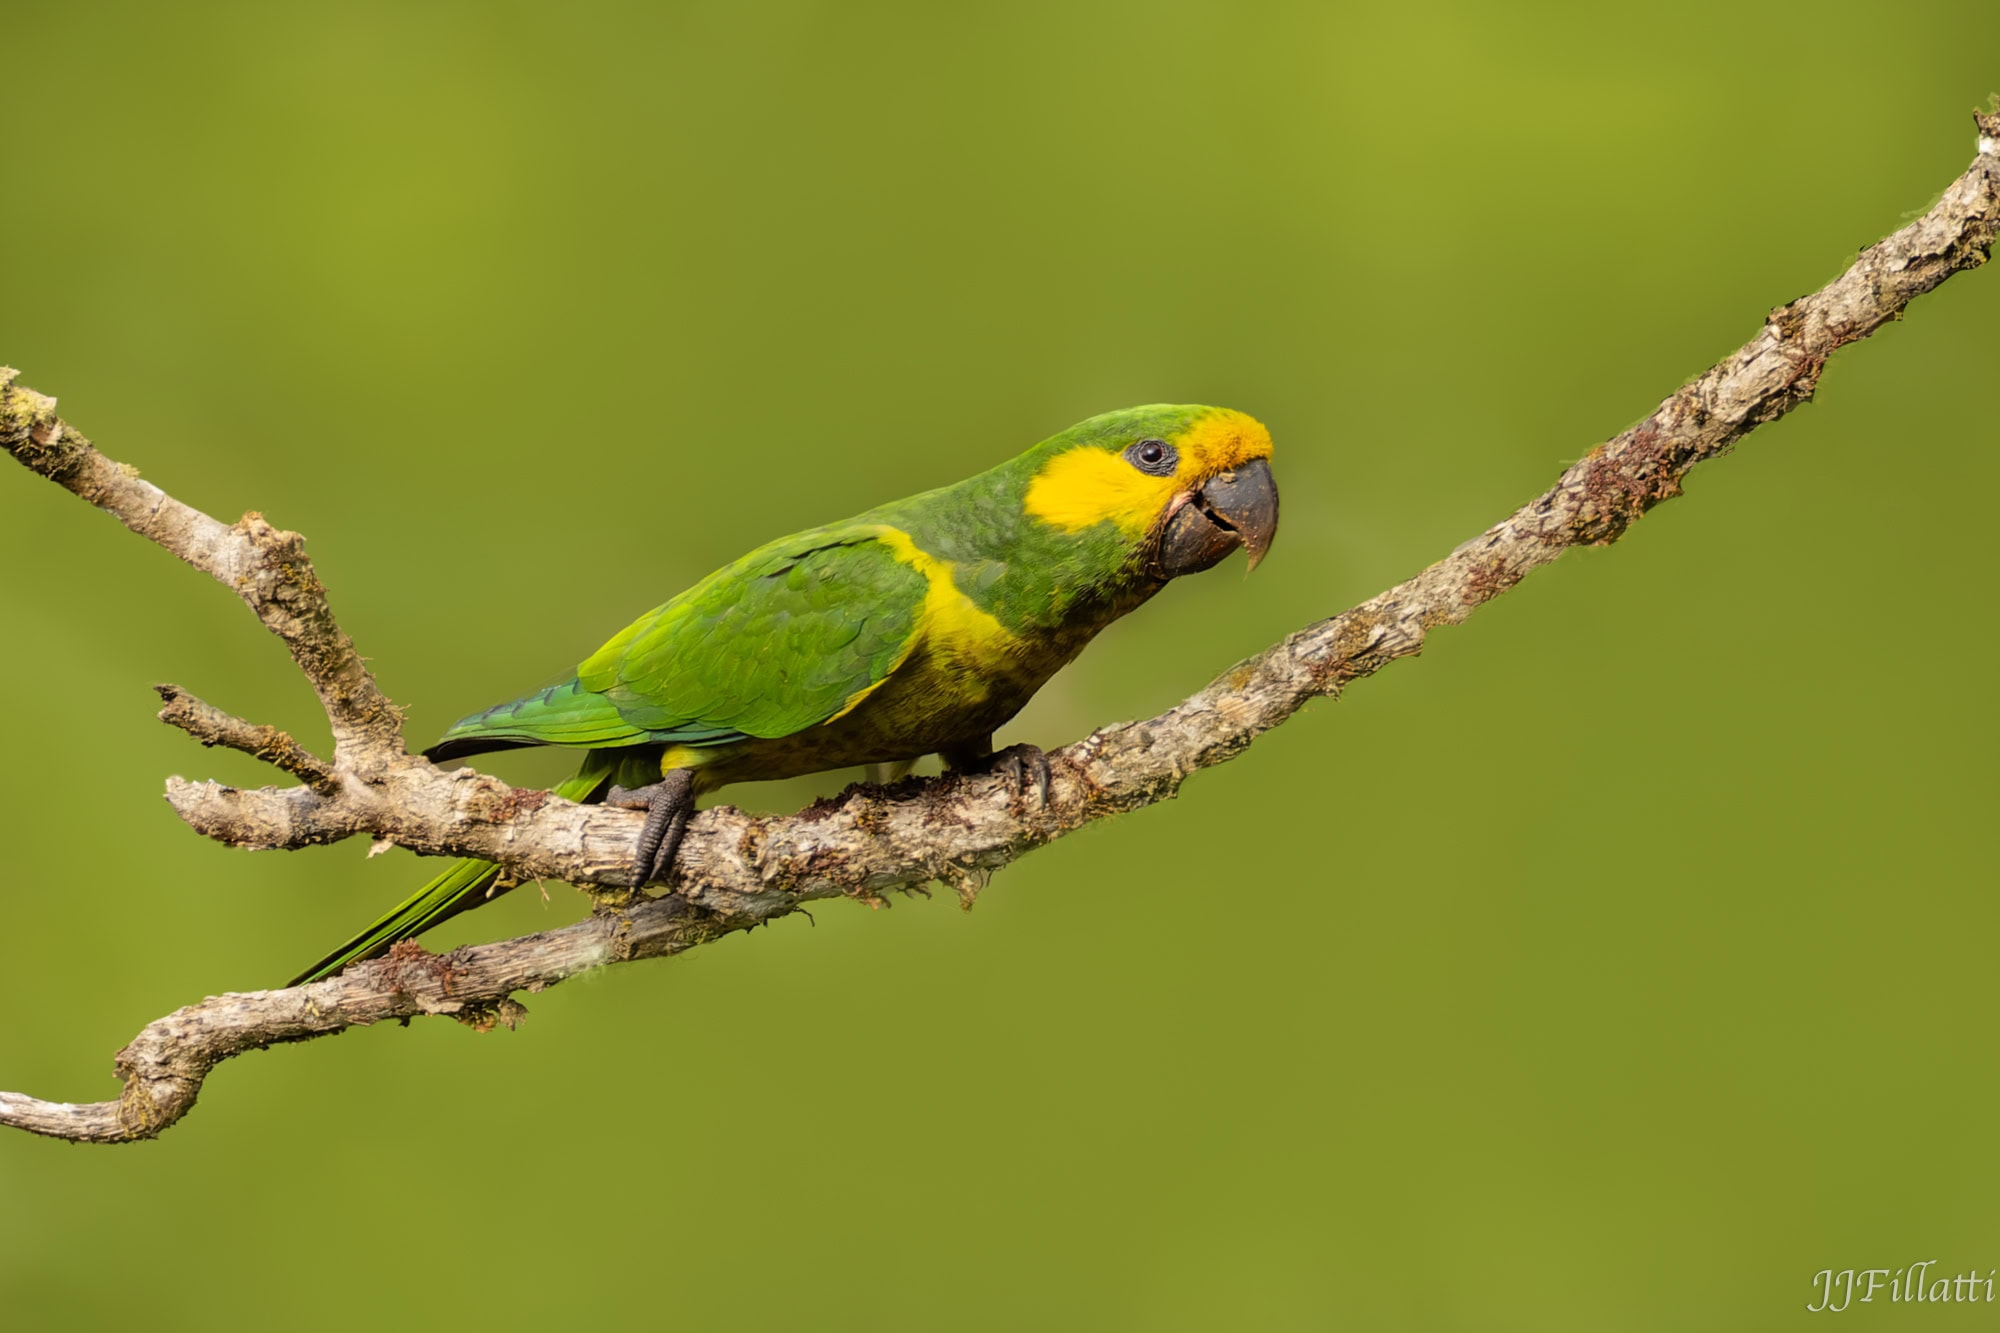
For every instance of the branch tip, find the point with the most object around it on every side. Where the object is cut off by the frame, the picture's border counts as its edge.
(212, 726)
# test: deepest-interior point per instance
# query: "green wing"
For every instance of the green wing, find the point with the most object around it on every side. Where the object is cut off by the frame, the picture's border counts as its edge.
(781, 640)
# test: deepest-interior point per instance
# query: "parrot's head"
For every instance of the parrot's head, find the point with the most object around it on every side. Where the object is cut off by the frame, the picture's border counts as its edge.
(1181, 486)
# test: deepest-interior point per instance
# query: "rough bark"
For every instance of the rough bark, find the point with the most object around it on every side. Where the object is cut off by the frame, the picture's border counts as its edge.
(737, 870)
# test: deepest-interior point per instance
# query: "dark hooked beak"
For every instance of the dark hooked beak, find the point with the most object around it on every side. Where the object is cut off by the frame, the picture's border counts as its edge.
(1234, 508)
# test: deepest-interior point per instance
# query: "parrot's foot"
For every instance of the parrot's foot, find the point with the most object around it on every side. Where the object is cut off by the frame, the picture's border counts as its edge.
(1024, 766)
(668, 804)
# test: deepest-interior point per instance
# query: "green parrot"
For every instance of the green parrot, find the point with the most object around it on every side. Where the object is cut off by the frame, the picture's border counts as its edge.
(916, 628)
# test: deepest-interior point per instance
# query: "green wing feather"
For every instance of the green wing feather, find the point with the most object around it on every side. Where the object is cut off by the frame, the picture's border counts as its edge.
(779, 641)
(561, 714)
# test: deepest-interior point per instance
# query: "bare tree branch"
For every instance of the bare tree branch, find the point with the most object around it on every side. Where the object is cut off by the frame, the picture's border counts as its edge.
(737, 870)
(267, 568)
(211, 726)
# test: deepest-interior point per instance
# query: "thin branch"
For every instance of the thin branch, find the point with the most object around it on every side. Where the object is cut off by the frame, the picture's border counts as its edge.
(264, 566)
(737, 870)
(211, 726)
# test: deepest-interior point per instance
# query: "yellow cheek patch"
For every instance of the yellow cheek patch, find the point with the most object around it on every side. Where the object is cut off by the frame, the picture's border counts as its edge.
(1088, 485)
(1219, 441)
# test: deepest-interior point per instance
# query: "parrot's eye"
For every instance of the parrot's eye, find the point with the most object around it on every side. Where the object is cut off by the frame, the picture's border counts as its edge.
(1156, 457)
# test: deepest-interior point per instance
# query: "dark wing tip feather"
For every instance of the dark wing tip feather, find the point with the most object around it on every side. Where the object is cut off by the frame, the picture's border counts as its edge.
(464, 746)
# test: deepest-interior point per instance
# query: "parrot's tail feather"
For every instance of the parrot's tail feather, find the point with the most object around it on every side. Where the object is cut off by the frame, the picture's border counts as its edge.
(466, 884)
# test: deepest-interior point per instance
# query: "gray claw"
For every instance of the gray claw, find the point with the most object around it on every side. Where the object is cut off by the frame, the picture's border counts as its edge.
(668, 804)
(1024, 765)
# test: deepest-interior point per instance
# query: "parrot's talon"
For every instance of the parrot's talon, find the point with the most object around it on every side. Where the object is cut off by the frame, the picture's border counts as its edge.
(1023, 765)
(1037, 765)
(668, 804)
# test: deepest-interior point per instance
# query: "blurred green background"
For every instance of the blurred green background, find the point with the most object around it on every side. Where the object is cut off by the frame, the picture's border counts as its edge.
(1619, 964)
